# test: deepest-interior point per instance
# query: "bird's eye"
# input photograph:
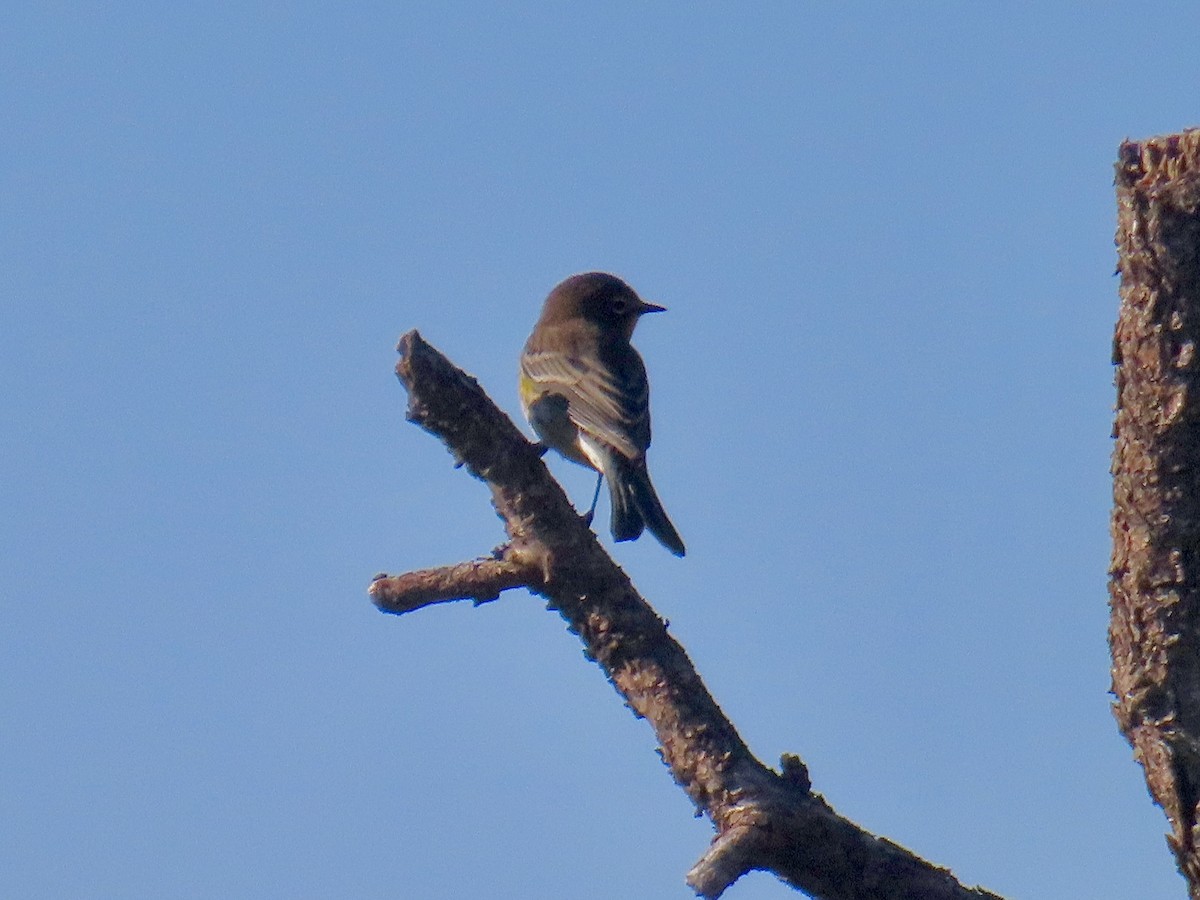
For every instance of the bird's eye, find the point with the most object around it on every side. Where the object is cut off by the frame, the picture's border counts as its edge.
(619, 306)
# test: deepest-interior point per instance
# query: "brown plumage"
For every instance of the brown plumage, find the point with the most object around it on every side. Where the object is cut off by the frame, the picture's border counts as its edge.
(584, 391)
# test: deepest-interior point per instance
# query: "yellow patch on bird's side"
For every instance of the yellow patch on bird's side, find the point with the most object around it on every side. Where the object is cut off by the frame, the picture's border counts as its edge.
(527, 389)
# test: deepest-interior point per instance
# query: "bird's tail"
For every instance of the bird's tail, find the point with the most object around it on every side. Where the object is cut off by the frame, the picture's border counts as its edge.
(636, 506)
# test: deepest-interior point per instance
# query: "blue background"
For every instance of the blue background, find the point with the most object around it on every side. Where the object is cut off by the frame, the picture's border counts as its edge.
(882, 401)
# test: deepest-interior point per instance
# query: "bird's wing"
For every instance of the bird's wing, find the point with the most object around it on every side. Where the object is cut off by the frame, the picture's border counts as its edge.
(607, 401)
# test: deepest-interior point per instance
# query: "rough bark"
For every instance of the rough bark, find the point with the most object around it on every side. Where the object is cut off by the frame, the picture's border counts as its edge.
(1154, 581)
(764, 819)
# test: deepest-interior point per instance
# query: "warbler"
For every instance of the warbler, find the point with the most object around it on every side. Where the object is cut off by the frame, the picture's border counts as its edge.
(584, 390)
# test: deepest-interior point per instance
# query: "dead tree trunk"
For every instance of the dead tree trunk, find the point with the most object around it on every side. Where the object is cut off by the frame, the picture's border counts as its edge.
(764, 819)
(1155, 576)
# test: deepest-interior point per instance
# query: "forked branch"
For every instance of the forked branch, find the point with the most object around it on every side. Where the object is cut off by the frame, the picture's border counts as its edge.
(764, 819)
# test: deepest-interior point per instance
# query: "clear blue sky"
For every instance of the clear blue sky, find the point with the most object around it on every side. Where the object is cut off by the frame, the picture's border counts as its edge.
(882, 402)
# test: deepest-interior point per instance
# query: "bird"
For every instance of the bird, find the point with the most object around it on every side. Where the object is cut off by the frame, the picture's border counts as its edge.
(584, 390)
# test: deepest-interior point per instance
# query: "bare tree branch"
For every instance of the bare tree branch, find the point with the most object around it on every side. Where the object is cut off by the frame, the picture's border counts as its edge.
(1155, 576)
(764, 819)
(480, 580)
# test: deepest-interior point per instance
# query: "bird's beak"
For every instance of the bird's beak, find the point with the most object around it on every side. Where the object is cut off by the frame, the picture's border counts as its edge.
(650, 307)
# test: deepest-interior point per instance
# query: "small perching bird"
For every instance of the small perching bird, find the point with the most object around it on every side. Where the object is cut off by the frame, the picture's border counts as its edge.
(584, 390)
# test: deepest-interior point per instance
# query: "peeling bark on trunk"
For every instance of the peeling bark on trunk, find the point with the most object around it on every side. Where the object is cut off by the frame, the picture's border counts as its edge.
(1155, 576)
